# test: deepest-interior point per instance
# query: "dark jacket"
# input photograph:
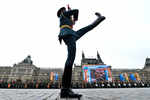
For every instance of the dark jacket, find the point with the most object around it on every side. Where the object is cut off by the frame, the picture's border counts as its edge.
(65, 19)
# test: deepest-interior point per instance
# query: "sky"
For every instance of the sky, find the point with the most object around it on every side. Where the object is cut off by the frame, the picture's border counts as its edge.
(31, 27)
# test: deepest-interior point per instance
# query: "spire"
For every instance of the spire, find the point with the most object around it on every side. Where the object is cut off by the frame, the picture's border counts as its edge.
(99, 58)
(83, 55)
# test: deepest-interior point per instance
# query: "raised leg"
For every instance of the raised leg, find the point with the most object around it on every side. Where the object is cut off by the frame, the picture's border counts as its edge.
(86, 29)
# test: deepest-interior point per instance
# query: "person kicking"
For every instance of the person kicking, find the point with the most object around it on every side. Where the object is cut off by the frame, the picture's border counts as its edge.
(69, 36)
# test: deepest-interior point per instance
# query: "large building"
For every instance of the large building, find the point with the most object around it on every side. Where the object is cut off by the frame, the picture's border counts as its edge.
(26, 71)
(5, 73)
(144, 74)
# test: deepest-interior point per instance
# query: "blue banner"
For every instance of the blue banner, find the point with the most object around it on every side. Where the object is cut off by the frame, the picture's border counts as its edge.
(122, 77)
(89, 72)
(106, 74)
(132, 77)
(56, 76)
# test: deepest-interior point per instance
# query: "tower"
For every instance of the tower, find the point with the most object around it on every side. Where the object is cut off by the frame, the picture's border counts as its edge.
(147, 64)
(99, 58)
(83, 57)
(91, 61)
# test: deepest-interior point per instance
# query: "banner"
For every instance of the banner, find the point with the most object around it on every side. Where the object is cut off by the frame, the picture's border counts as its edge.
(51, 76)
(96, 73)
(132, 77)
(56, 76)
(106, 74)
(126, 77)
(137, 76)
(121, 77)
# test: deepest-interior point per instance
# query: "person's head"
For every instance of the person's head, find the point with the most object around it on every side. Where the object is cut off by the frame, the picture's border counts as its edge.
(60, 11)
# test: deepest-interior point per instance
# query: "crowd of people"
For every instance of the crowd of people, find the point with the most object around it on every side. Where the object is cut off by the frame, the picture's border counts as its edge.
(118, 84)
(28, 85)
(56, 85)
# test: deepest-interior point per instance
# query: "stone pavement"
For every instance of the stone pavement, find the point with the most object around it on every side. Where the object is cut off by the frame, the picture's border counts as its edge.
(88, 94)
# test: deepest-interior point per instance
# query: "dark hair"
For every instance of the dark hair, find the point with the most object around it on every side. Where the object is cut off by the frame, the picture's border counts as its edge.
(59, 11)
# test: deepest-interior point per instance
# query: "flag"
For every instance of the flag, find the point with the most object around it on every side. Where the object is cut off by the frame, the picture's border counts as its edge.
(137, 76)
(122, 77)
(56, 76)
(106, 74)
(132, 77)
(126, 77)
(52, 76)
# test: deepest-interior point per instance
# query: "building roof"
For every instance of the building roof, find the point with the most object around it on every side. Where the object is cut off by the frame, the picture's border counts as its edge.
(97, 60)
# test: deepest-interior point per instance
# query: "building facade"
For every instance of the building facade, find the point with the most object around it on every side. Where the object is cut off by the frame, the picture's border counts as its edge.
(5, 73)
(26, 71)
(144, 73)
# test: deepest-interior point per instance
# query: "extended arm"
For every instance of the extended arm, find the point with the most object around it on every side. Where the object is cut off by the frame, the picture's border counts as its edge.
(73, 13)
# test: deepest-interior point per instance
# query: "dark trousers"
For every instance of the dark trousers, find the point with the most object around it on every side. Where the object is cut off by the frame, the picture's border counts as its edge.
(70, 41)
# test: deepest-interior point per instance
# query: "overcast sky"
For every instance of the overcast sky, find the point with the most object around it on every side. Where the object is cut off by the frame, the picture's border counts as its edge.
(31, 27)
